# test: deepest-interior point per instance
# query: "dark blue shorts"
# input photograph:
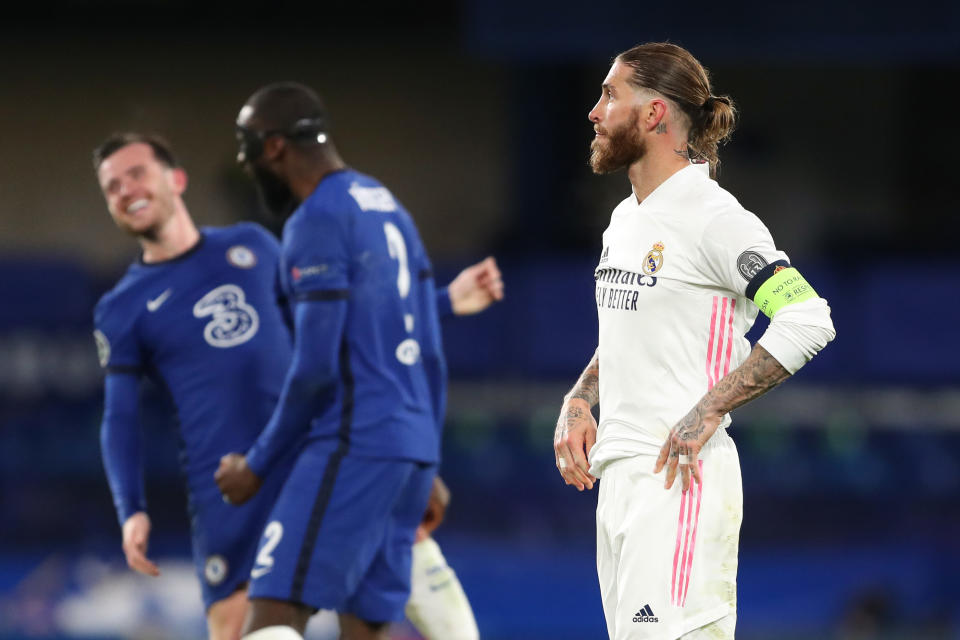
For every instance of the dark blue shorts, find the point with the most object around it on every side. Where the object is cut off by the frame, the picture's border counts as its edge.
(225, 537)
(341, 534)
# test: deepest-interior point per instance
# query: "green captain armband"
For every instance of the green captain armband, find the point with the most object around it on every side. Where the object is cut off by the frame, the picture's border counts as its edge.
(778, 285)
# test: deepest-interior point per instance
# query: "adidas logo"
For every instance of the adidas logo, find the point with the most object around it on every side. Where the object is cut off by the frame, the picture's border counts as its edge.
(645, 615)
(605, 255)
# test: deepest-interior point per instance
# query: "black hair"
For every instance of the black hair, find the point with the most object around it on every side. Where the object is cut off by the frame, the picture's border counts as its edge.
(289, 108)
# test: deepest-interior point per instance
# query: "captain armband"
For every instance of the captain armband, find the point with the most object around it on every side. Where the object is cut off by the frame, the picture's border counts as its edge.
(778, 285)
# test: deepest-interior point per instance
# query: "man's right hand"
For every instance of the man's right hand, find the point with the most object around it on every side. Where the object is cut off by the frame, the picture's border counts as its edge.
(236, 480)
(575, 435)
(136, 533)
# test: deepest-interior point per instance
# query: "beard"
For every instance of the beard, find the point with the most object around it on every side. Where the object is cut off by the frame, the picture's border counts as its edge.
(275, 194)
(148, 229)
(621, 147)
(150, 234)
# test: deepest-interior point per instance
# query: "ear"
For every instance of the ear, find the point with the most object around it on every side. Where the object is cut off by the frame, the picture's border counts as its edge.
(653, 113)
(179, 180)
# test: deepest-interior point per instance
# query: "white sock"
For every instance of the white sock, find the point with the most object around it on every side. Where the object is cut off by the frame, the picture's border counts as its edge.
(278, 632)
(438, 607)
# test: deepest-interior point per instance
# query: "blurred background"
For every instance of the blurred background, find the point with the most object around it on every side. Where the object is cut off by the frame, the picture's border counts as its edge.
(474, 113)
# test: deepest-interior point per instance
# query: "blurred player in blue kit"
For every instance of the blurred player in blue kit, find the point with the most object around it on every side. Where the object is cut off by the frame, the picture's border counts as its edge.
(202, 314)
(364, 399)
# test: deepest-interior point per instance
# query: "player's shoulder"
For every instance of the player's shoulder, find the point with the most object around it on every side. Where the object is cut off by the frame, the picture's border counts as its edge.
(721, 209)
(119, 300)
(341, 197)
(713, 206)
(349, 192)
(250, 232)
(243, 242)
(727, 224)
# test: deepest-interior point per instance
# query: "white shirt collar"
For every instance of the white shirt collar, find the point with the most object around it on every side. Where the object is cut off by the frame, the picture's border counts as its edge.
(681, 180)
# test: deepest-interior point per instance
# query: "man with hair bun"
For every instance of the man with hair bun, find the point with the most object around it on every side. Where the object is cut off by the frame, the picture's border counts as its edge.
(683, 271)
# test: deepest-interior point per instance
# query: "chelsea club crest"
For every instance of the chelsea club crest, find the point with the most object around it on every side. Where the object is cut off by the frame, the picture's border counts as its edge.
(654, 260)
(241, 256)
(215, 569)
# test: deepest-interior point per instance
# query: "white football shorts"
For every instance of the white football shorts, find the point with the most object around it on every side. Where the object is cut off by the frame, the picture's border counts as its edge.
(667, 559)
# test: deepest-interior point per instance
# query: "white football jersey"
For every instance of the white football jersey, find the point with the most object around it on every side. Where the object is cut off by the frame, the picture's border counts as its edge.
(670, 294)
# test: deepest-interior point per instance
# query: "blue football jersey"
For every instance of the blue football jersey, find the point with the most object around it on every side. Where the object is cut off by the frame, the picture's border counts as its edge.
(351, 241)
(207, 326)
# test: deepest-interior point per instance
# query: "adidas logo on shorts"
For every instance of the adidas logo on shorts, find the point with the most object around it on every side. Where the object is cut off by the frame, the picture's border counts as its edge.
(645, 615)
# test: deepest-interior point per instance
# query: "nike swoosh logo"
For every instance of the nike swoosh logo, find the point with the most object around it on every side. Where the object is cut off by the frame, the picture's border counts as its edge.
(153, 305)
(259, 571)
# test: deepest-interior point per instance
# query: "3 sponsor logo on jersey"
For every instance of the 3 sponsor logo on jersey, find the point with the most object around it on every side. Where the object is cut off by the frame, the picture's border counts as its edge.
(241, 257)
(215, 570)
(234, 321)
(653, 262)
(645, 615)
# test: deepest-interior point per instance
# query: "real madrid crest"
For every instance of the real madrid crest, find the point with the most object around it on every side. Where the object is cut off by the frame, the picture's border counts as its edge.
(654, 260)
(241, 256)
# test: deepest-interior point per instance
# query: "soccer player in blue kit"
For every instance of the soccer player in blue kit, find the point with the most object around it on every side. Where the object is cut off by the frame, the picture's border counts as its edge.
(202, 315)
(366, 386)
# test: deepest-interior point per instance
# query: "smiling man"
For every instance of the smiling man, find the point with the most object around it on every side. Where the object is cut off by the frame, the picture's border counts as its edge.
(198, 314)
(201, 314)
(683, 272)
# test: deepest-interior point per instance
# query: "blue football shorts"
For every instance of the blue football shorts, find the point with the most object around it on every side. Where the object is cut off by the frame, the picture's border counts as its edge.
(341, 534)
(225, 537)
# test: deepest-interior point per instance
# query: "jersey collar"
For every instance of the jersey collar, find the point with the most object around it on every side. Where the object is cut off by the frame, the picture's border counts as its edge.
(186, 254)
(674, 186)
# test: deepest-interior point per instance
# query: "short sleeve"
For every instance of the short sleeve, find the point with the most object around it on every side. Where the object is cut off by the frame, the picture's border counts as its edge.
(316, 256)
(738, 251)
(118, 347)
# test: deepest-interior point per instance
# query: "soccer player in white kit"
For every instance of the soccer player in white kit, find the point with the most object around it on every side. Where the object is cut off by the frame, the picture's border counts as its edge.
(683, 272)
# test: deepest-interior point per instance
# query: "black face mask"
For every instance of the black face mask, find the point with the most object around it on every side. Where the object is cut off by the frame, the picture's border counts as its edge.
(275, 194)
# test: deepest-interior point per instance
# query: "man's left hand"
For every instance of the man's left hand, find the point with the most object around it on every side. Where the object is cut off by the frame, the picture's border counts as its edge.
(476, 288)
(237, 482)
(681, 450)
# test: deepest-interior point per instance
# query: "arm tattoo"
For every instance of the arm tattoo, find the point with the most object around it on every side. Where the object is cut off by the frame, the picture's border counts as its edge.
(588, 386)
(759, 373)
